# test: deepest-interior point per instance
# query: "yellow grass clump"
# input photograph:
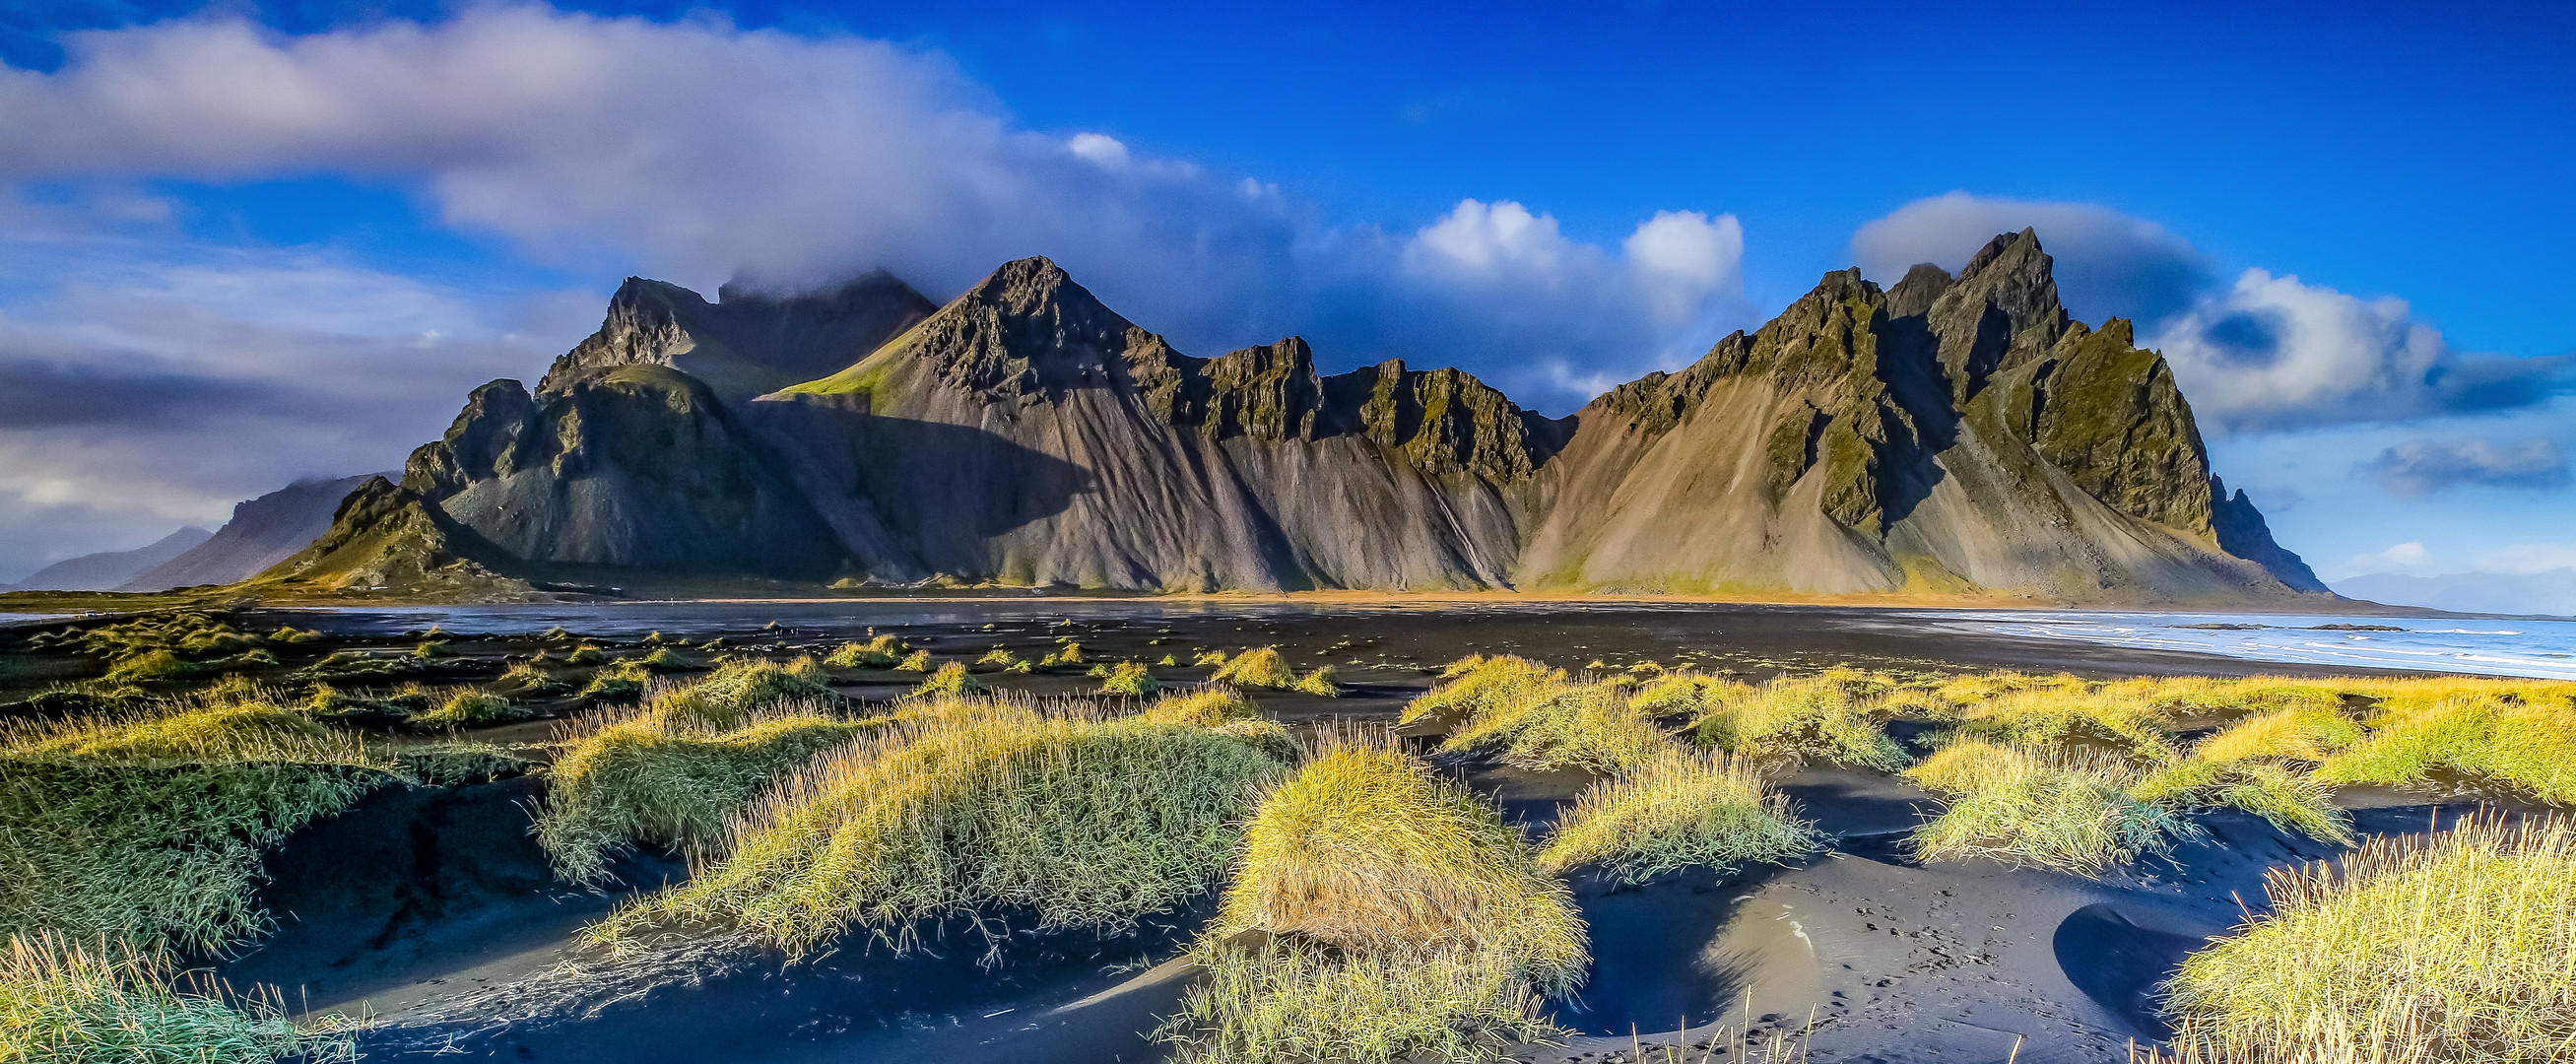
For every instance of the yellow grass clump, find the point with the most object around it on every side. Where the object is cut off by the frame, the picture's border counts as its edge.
(727, 697)
(64, 1001)
(2040, 807)
(968, 806)
(951, 678)
(470, 708)
(2307, 735)
(1678, 810)
(2290, 802)
(672, 780)
(1207, 707)
(1825, 717)
(2459, 947)
(917, 661)
(1391, 912)
(2121, 718)
(1560, 724)
(2527, 745)
(1128, 678)
(1257, 667)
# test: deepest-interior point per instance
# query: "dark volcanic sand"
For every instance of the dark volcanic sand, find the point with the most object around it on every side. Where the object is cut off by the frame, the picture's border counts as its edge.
(433, 909)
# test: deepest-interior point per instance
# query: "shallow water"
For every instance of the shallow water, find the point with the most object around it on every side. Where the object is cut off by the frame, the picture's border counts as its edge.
(2521, 647)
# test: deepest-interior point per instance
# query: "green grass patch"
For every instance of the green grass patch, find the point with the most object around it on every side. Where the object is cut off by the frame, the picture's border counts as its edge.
(968, 807)
(672, 779)
(149, 828)
(2039, 807)
(950, 678)
(2289, 801)
(1257, 667)
(2457, 947)
(471, 709)
(1681, 809)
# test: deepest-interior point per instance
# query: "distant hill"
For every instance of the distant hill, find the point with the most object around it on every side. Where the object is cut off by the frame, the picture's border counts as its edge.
(107, 570)
(2552, 593)
(1946, 435)
(263, 532)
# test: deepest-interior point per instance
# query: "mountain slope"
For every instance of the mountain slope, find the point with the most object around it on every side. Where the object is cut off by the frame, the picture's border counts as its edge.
(263, 532)
(106, 570)
(1945, 435)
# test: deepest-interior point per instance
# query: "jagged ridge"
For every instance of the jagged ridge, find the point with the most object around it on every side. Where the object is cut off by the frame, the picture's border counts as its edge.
(1947, 434)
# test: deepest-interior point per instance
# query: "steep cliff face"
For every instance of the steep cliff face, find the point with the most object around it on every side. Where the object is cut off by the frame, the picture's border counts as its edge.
(1948, 434)
(637, 466)
(1066, 445)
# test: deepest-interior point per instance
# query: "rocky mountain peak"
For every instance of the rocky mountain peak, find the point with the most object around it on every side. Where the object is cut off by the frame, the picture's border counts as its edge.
(2002, 312)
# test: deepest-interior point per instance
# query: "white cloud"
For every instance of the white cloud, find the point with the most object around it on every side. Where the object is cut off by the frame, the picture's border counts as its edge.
(2109, 264)
(1683, 258)
(2273, 352)
(2413, 559)
(2524, 559)
(694, 151)
(1100, 148)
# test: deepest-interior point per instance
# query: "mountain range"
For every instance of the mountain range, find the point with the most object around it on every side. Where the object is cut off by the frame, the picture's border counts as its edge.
(1944, 435)
(2551, 593)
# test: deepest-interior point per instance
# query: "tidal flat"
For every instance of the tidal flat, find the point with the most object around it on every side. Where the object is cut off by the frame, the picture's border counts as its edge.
(1034, 830)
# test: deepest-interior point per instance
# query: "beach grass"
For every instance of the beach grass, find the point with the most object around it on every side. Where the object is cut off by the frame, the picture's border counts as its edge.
(1824, 717)
(2291, 802)
(2456, 946)
(967, 807)
(1129, 679)
(1680, 809)
(69, 1001)
(1257, 667)
(2040, 807)
(470, 708)
(149, 827)
(2526, 745)
(672, 780)
(1378, 912)
(950, 678)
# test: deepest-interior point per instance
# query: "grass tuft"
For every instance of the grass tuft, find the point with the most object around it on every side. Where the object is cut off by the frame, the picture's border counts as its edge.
(1128, 678)
(2040, 808)
(968, 805)
(882, 652)
(1258, 667)
(1826, 717)
(1679, 810)
(149, 828)
(470, 708)
(951, 678)
(2289, 802)
(2459, 947)
(65, 1002)
(1379, 911)
(2526, 745)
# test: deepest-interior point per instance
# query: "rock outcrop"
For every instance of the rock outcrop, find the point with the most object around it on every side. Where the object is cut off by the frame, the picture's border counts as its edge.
(1949, 434)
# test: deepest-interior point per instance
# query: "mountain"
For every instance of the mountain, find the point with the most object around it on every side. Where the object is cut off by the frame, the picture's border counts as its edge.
(1949, 434)
(106, 570)
(2552, 593)
(263, 532)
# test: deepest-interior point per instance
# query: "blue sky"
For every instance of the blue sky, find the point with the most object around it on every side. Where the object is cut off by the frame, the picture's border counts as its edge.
(251, 242)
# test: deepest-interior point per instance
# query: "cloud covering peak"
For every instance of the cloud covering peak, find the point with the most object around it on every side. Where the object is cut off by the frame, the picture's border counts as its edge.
(696, 151)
